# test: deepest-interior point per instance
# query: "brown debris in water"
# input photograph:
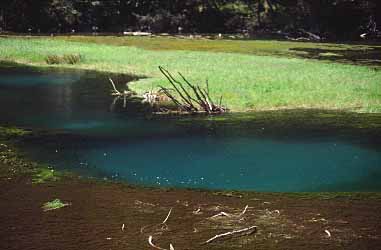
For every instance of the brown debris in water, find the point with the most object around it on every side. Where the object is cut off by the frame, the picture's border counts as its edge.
(99, 210)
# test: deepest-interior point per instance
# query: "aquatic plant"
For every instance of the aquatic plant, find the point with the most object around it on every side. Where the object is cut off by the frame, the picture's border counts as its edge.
(10, 132)
(54, 204)
(43, 175)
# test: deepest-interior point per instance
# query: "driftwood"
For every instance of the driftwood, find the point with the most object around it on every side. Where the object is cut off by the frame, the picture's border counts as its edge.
(244, 231)
(194, 99)
(115, 91)
(118, 94)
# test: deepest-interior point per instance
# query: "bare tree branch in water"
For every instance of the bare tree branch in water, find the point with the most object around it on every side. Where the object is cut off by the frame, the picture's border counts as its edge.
(194, 101)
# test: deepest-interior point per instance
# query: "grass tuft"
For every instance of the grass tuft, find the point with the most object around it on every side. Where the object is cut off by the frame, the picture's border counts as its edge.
(65, 59)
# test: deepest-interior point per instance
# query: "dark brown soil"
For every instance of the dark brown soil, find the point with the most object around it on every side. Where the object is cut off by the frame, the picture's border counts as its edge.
(98, 210)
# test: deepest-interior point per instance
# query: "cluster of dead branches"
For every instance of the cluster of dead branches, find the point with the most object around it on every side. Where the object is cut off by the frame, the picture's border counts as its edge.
(160, 227)
(194, 99)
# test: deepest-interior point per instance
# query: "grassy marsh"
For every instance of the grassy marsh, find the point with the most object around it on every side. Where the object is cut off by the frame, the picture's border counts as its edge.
(250, 75)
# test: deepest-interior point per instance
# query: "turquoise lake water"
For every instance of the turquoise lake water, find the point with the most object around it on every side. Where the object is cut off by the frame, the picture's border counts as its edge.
(87, 131)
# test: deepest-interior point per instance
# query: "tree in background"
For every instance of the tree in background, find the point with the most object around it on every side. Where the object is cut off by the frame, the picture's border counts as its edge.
(337, 19)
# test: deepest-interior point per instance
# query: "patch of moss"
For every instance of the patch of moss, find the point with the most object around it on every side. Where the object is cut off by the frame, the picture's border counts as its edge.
(54, 204)
(42, 175)
(9, 132)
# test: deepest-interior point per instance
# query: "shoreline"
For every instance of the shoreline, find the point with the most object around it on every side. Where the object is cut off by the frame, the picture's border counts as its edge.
(102, 214)
(105, 214)
(13, 162)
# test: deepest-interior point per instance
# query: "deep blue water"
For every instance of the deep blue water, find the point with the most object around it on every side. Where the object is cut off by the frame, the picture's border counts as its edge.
(270, 151)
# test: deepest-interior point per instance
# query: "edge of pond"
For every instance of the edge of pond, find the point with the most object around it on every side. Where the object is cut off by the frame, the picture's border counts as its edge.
(14, 165)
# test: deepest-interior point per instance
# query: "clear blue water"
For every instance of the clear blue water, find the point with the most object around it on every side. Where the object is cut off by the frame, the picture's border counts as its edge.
(270, 151)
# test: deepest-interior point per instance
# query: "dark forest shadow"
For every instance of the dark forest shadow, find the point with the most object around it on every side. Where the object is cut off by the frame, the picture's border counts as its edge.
(370, 56)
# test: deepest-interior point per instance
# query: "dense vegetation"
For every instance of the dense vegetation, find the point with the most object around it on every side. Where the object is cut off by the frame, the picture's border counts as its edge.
(332, 19)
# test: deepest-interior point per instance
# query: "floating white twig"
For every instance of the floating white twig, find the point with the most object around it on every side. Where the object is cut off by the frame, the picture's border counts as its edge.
(197, 211)
(123, 227)
(155, 225)
(244, 211)
(157, 247)
(252, 228)
(328, 233)
(221, 214)
(113, 85)
(231, 215)
(166, 218)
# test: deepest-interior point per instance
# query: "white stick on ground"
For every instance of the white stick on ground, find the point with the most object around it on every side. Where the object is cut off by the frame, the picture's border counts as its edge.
(252, 228)
(157, 247)
(231, 215)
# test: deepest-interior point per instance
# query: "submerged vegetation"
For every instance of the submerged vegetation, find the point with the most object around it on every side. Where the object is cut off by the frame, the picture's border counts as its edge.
(13, 163)
(11, 132)
(246, 81)
(44, 174)
(54, 204)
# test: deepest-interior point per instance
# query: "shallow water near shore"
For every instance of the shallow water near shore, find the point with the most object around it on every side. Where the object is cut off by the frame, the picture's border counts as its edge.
(87, 131)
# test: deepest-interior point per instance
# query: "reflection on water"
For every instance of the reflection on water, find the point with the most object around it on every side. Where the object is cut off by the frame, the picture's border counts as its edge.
(56, 99)
(269, 151)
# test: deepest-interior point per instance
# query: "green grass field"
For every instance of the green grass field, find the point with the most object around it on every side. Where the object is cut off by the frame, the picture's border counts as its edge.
(250, 75)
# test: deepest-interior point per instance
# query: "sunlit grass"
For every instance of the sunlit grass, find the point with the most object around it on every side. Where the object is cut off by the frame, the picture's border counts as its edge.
(257, 47)
(246, 81)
